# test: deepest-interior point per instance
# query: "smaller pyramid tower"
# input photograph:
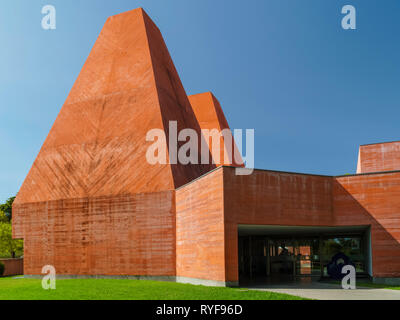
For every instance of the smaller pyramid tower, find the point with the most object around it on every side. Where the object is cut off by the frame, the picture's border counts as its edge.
(209, 113)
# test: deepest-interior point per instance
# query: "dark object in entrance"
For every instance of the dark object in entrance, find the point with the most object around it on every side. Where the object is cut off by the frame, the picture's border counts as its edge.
(336, 265)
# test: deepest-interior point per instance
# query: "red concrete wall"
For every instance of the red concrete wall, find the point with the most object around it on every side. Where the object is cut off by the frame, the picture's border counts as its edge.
(379, 157)
(210, 209)
(118, 235)
(200, 250)
(373, 200)
(272, 198)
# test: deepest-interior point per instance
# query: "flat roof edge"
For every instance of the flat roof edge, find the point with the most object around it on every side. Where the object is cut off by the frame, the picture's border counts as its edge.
(293, 173)
(198, 178)
(367, 173)
(372, 144)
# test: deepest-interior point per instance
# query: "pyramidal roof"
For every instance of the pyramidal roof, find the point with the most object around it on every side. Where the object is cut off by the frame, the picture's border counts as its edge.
(97, 145)
(210, 116)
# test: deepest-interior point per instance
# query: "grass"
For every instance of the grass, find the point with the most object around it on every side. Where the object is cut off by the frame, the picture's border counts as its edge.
(12, 288)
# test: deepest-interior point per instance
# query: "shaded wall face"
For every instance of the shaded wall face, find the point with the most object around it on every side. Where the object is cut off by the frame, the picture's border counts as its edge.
(200, 229)
(272, 198)
(379, 157)
(373, 200)
(118, 235)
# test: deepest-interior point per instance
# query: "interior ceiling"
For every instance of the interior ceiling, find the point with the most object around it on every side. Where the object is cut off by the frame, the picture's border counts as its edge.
(245, 230)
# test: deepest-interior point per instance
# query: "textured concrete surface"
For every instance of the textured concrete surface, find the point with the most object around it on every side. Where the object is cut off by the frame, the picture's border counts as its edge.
(379, 157)
(97, 145)
(279, 198)
(115, 277)
(200, 250)
(373, 200)
(116, 235)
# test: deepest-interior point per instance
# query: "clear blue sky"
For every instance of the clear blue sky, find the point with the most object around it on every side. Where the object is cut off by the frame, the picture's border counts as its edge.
(312, 91)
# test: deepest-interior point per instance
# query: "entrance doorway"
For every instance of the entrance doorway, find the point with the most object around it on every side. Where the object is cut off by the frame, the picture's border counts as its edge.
(279, 253)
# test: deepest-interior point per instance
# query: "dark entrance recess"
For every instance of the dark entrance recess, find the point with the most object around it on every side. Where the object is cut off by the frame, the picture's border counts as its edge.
(279, 253)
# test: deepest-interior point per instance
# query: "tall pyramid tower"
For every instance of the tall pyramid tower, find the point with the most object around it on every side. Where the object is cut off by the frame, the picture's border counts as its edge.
(91, 203)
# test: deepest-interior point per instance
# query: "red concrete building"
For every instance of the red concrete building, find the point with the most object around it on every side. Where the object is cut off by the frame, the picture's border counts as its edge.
(92, 205)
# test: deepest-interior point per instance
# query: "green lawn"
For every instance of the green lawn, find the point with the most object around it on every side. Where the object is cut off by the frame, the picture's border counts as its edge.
(12, 288)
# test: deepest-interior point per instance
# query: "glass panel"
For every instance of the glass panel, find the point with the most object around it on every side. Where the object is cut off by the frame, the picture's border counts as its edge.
(352, 247)
(260, 256)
